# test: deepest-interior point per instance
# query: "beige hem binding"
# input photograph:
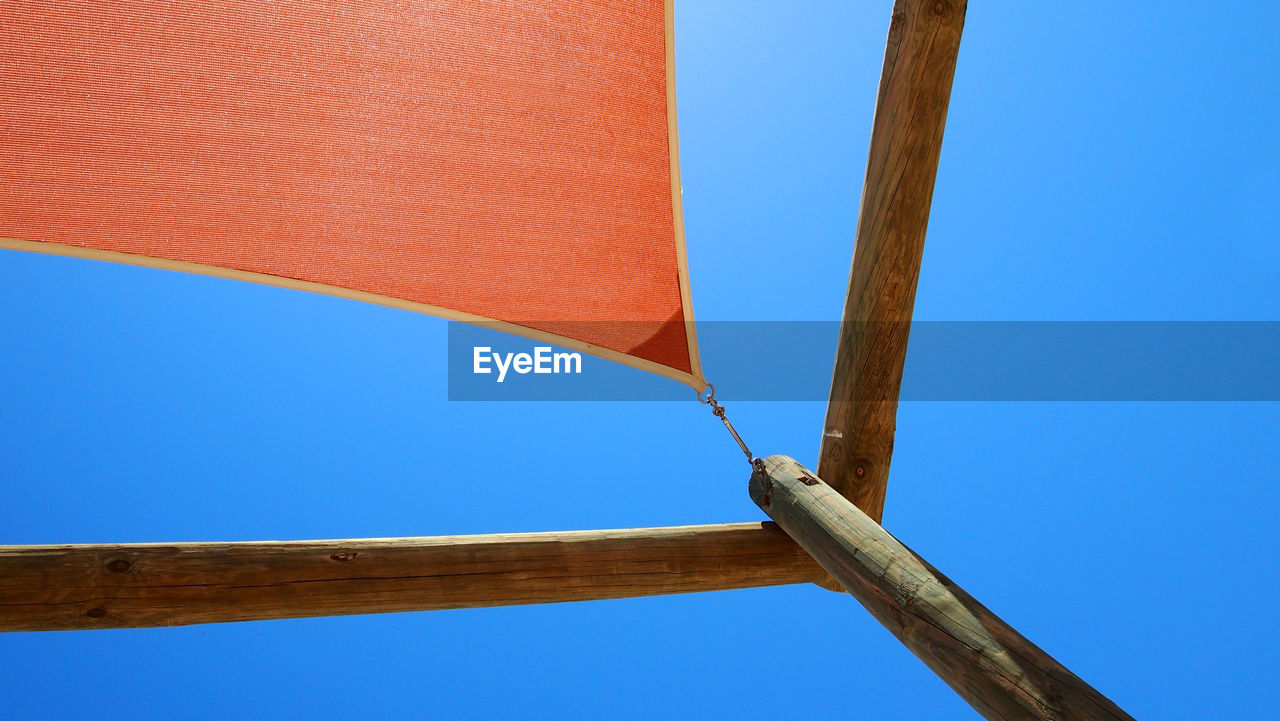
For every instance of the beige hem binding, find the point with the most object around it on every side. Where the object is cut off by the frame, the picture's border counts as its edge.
(695, 379)
(264, 279)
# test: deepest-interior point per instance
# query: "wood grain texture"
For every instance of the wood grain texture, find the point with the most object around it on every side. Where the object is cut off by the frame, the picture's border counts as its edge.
(906, 139)
(993, 667)
(173, 584)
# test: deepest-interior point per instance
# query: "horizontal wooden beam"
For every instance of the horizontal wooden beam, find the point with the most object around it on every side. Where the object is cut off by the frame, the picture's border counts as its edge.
(902, 163)
(992, 666)
(45, 588)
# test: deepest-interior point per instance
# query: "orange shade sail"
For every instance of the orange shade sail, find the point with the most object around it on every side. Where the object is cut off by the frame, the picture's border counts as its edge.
(510, 161)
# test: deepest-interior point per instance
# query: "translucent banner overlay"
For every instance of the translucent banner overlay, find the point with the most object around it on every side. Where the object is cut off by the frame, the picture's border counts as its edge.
(946, 361)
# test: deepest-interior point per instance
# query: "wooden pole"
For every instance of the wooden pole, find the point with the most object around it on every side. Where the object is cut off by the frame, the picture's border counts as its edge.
(993, 667)
(49, 588)
(906, 139)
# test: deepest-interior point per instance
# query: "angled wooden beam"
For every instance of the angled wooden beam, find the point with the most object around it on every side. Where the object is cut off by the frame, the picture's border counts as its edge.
(48, 588)
(992, 666)
(906, 137)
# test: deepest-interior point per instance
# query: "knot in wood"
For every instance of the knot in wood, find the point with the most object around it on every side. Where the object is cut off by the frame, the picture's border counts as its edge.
(905, 593)
(119, 566)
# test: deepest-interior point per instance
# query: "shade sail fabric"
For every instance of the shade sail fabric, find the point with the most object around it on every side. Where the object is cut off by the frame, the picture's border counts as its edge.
(512, 161)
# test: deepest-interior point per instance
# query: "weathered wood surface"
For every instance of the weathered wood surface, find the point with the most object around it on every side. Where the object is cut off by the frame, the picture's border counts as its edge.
(995, 669)
(173, 584)
(906, 139)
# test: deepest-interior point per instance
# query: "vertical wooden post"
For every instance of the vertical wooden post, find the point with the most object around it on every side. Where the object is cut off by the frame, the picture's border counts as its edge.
(906, 139)
(993, 667)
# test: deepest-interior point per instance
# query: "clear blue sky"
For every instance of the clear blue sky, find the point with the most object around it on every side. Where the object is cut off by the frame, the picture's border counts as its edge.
(1102, 161)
